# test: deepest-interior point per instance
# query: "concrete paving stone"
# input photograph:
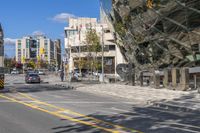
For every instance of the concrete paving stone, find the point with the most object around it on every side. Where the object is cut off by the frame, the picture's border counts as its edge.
(173, 100)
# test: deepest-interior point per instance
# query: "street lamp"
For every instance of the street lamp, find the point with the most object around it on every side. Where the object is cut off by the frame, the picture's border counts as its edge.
(102, 59)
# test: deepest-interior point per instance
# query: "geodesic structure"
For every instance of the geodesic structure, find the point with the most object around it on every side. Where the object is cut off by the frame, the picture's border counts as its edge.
(157, 33)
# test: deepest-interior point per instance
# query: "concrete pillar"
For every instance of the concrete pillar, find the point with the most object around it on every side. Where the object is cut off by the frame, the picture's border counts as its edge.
(131, 75)
(184, 79)
(156, 79)
(141, 78)
(166, 78)
(195, 81)
(175, 77)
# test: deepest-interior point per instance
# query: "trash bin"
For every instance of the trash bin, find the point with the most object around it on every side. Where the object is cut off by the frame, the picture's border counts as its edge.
(1, 81)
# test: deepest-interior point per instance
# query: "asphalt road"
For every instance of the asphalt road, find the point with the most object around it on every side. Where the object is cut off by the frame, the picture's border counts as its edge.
(17, 118)
(51, 109)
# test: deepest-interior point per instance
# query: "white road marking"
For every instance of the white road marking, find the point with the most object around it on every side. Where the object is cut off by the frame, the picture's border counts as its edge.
(115, 113)
(81, 102)
(122, 110)
(34, 96)
(108, 112)
(4, 101)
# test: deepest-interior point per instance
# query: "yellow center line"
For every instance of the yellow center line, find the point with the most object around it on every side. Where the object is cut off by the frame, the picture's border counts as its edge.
(78, 114)
(60, 115)
(60, 110)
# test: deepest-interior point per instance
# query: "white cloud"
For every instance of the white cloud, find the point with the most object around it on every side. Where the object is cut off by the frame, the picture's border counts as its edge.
(9, 41)
(63, 17)
(38, 33)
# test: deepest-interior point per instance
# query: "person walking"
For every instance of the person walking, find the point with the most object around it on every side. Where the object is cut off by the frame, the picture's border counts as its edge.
(62, 76)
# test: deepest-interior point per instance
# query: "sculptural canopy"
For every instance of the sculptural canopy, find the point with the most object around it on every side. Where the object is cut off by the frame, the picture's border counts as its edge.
(165, 34)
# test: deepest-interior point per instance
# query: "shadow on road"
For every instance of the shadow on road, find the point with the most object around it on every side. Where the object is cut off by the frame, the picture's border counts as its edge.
(26, 88)
(145, 119)
(149, 119)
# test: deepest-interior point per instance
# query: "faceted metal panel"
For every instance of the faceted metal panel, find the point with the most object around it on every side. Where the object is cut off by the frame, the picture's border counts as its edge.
(165, 34)
(1, 50)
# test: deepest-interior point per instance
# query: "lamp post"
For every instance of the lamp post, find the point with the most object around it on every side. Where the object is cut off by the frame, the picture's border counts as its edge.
(102, 59)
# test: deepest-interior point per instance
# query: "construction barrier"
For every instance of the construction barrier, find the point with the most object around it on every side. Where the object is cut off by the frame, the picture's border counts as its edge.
(1, 81)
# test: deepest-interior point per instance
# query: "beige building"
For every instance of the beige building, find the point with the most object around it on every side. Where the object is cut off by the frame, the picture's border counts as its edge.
(37, 48)
(75, 43)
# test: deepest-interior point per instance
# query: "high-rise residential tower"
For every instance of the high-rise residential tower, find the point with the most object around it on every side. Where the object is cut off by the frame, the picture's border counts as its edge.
(37, 48)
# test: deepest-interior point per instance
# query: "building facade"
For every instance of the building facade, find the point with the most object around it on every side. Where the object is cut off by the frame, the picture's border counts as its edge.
(76, 45)
(37, 48)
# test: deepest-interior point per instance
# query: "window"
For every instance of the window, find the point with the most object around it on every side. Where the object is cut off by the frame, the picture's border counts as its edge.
(107, 31)
(27, 43)
(111, 47)
(19, 45)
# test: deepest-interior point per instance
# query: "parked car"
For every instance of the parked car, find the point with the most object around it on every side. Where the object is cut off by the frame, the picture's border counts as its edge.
(82, 74)
(15, 72)
(97, 73)
(29, 72)
(40, 72)
(77, 73)
(32, 78)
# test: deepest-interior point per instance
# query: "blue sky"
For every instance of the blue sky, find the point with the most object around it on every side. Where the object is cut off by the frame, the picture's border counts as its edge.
(27, 17)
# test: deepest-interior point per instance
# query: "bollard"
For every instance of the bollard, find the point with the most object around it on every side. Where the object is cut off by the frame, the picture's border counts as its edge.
(1, 81)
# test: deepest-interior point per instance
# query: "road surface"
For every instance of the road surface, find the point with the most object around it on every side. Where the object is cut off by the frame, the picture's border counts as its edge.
(43, 108)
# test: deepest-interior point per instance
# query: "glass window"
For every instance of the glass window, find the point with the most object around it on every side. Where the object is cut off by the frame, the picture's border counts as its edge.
(27, 43)
(19, 45)
(111, 47)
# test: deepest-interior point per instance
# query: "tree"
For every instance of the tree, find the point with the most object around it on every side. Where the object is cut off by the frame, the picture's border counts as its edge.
(19, 65)
(13, 63)
(93, 46)
(43, 64)
(7, 62)
(81, 63)
(31, 64)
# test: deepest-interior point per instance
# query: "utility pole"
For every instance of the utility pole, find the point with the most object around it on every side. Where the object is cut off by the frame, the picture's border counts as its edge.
(64, 67)
(102, 59)
(79, 48)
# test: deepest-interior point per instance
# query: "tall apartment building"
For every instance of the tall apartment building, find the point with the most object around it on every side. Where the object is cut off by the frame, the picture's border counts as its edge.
(75, 43)
(57, 55)
(37, 48)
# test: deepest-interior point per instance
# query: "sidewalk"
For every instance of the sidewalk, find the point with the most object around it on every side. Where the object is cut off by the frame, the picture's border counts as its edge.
(164, 98)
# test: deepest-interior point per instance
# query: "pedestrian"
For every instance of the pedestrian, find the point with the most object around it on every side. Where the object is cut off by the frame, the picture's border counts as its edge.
(62, 76)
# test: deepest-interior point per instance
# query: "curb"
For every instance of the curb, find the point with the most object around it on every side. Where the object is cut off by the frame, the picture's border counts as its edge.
(174, 107)
(65, 86)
